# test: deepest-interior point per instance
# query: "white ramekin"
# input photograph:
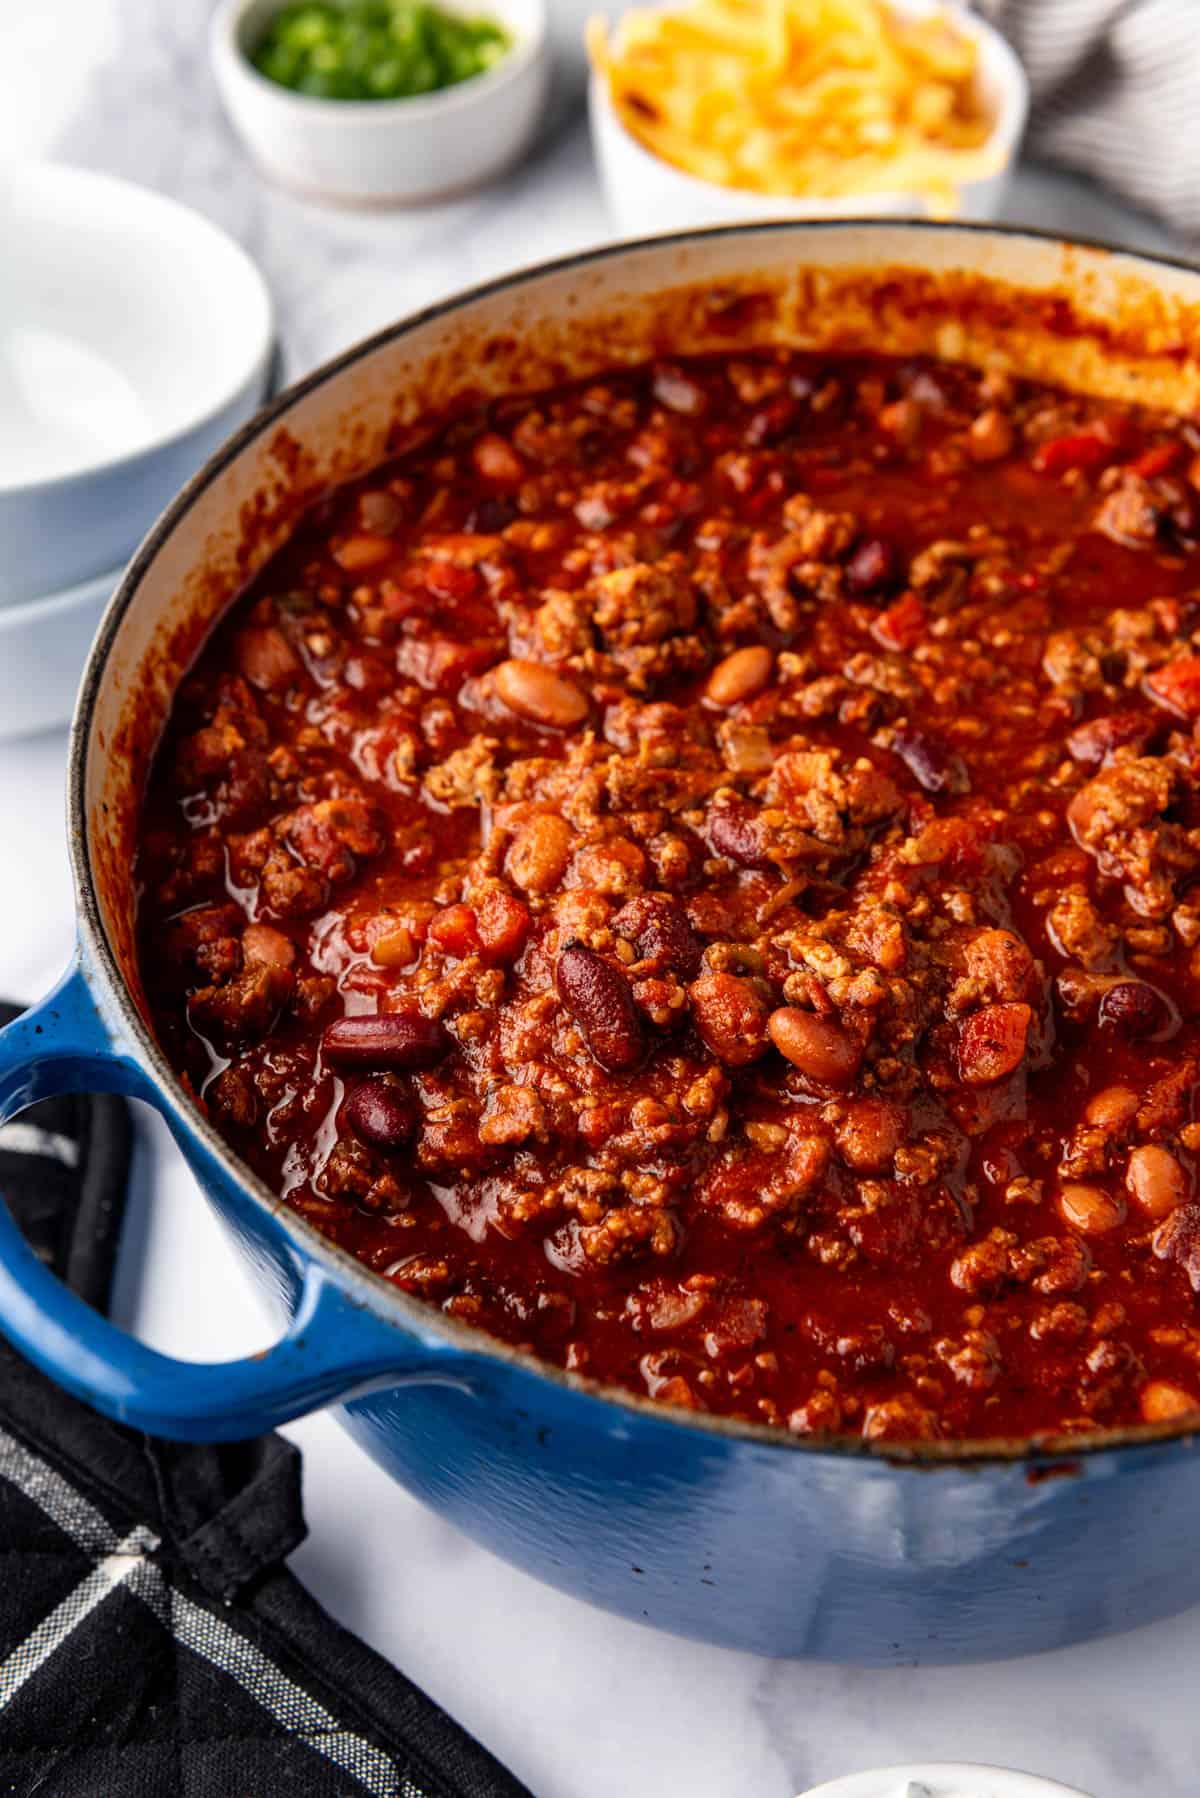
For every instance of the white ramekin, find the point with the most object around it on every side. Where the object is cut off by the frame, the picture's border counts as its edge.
(647, 195)
(384, 152)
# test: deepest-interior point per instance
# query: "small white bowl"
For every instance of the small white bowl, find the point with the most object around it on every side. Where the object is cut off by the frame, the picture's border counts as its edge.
(943, 1779)
(385, 152)
(647, 195)
(134, 337)
(43, 646)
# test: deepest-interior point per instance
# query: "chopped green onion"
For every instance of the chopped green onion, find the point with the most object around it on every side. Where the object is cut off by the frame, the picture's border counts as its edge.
(375, 49)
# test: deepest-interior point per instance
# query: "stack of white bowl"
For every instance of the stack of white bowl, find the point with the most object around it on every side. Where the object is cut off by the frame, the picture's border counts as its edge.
(134, 337)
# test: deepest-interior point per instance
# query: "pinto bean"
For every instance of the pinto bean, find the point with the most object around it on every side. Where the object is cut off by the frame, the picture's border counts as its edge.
(990, 437)
(364, 551)
(265, 657)
(380, 513)
(496, 460)
(819, 1048)
(1112, 1107)
(731, 1018)
(539, 694)
(391, 1039)
(1090, 1208)
(1161, 1401)
(262, 943)
(1156, 1180)
(741, 675)
(539, 853)
(381, 1113)
(599, 999)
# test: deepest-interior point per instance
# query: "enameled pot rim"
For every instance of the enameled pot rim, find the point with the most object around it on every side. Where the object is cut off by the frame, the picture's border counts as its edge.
(384, 1300)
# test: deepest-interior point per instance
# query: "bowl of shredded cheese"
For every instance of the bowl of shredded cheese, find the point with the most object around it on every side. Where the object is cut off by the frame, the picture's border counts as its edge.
(716, 111)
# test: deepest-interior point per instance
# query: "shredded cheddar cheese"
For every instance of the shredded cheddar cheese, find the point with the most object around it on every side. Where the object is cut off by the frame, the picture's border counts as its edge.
(802, 97)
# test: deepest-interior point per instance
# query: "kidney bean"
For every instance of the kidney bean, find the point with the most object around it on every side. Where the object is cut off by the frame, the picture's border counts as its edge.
(381, 1113)
(1178, 1239)
(935, 768)
(819, 1048)
(1156, 1180)
(771, 421)
(491, 516)
(874, 566)
(1135, 1010)
(731, 1018)
(659, 930)
(1093, 742)
(599, 999)
(991, 1042)
(539, 694)
(539, 853)
(391, 1039)
(741, 675)
(733, 831)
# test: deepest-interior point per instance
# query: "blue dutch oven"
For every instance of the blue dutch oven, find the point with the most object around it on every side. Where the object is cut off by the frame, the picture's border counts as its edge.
(729, 1532)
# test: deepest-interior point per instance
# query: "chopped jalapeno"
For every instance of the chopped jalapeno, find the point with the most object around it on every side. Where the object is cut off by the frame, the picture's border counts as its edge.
(375, 49)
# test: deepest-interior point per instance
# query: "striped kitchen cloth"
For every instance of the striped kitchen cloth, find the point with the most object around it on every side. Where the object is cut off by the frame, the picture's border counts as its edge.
(153, 1643)
(1116, 94)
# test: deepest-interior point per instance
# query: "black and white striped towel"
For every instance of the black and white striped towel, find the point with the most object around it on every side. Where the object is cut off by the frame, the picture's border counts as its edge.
(152, 1642)
(1116, 94)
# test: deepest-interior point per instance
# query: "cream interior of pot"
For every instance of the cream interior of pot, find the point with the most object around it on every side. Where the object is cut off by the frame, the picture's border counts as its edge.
(1089, 320)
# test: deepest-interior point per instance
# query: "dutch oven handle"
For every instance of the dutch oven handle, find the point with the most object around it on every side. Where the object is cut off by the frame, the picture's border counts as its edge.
(334, 1349)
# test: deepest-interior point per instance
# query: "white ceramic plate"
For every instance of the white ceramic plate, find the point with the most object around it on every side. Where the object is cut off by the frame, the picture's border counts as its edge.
(134, 337)
(943, 1779)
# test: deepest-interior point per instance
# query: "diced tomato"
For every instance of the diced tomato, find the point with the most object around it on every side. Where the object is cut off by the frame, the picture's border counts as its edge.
(449, 581)
(504, 925)
(991, 1043)
(1086, 450)
(903, 624)
(1157, 460)
(1177, 684)
(455, 930)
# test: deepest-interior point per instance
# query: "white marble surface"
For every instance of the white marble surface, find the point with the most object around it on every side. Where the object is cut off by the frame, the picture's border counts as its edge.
(579, 1704)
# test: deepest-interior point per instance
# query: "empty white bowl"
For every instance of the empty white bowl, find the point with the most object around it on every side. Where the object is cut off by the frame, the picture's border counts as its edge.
(647, 195)
(943, 1779)
(134, 337)
(43, 646)
(385, 152)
